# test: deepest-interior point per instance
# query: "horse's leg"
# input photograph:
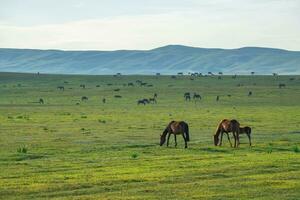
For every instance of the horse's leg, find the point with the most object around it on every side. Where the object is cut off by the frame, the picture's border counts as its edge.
(168, 139)
(238, 138)
(229, 139)
(185, 143)
(249, 137)
(221, 138)
(234, 135)
(175, 138)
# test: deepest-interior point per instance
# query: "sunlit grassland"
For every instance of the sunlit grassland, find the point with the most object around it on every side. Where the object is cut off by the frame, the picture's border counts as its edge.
(110, 151)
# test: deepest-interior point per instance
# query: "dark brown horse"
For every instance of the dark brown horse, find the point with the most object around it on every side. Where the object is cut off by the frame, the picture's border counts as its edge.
(175, 128)
(247, 131)
(227, 126)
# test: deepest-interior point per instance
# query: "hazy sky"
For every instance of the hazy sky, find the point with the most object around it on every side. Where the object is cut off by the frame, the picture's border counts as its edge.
(146, 24)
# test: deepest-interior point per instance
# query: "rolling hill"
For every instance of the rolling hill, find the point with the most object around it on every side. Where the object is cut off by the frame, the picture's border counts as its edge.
(166, 60)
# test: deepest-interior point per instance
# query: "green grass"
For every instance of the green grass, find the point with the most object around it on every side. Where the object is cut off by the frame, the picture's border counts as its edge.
(111, 151)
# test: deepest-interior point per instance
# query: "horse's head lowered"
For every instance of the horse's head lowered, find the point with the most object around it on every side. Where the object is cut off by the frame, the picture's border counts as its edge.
(162, 139)
(216, 139)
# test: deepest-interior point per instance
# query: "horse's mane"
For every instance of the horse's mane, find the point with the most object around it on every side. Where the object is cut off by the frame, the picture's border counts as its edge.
(219, 127)
(167, 129)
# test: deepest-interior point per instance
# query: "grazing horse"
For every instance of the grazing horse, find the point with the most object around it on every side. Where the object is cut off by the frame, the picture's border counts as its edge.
(152, 100)
(246, 130)
(84, 98)
(197, 96)
(187, 96)
(41, 101)
(61, 88)
(281, 85)
(227, 126)
(141, 102)
(146, 101)
(82, 86)
(175, 128)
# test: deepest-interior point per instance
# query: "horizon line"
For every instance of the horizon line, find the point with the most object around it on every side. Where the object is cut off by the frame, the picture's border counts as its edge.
(164, 46)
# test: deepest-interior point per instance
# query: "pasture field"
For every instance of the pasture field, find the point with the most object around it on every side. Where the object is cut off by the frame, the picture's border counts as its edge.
(61, 150)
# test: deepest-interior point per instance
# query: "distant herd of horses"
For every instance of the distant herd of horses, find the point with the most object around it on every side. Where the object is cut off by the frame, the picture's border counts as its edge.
(182, 128)
(153, 100)
(225, 126)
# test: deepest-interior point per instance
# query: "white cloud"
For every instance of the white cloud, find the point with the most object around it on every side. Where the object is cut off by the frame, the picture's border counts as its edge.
(231, 25)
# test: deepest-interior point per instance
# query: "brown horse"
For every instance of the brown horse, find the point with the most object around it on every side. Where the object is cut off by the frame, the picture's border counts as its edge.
(176, 128)
(247, 131)
(227, 126)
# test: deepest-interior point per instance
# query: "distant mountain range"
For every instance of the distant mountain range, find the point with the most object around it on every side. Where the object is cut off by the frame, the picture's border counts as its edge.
(165, 60)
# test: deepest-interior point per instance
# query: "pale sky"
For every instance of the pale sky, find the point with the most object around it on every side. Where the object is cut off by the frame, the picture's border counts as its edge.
(147, 24)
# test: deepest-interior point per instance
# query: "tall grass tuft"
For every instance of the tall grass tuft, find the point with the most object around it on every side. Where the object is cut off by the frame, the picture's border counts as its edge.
(296, 149)
(134, 155)
(22, 149)
(270, 148)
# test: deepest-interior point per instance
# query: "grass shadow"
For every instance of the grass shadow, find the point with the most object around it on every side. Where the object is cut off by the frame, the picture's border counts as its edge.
(214, 150)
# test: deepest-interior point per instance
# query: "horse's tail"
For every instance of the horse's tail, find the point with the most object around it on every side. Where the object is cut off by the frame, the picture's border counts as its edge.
(187, 134)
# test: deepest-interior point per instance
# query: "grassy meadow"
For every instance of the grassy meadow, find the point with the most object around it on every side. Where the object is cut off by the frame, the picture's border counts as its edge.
(69, 149)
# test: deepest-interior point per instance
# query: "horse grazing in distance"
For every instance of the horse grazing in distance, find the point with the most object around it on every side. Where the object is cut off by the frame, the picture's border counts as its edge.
(84, 98)
(247, 131)
(141, 102)
(175, 128)
(82, 86)
(61, 88)
(197, 96)
(227, 126)
(41, 101)
(187, 96)
(281, 85)
(152, 100)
